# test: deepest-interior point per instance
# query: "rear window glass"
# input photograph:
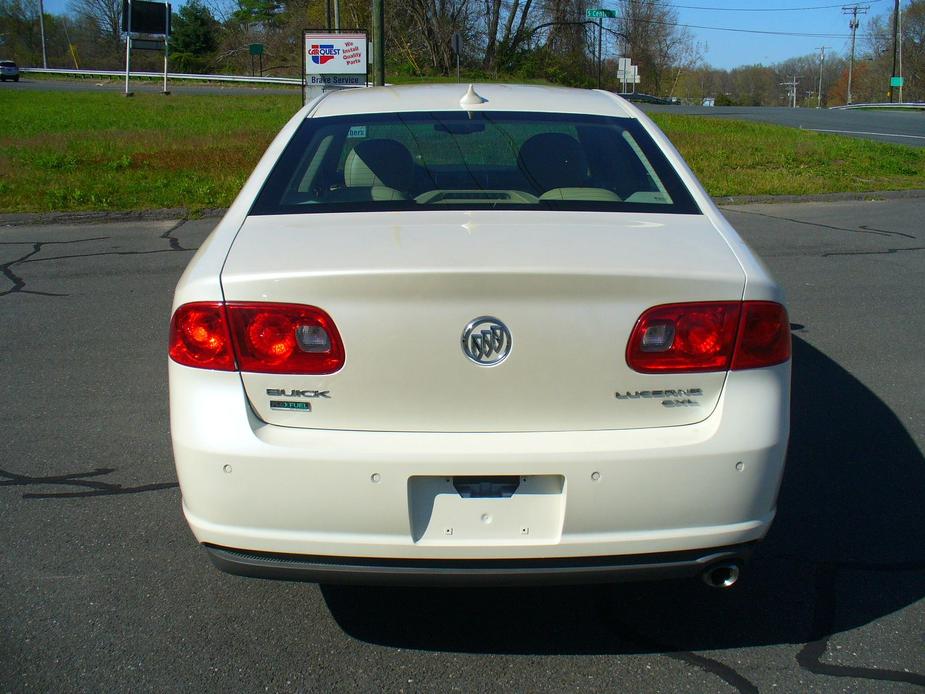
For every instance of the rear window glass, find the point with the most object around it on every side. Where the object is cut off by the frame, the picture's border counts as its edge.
(478, 160)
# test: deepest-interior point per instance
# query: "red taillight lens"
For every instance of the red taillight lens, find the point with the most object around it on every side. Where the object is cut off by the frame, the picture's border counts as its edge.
(199, 337)
(709, 336)
(284, 338)
(684, 337)
(260, 337)
(764, 336)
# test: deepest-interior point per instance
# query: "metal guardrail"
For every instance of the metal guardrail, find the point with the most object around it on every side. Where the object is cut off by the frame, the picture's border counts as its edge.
(905, 104)
(170, 76)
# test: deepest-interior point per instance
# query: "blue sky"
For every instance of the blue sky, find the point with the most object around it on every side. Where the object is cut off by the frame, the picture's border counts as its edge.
(728, 49)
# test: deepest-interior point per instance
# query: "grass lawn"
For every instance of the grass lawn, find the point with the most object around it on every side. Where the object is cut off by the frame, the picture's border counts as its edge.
(735, 157)
(100, 151)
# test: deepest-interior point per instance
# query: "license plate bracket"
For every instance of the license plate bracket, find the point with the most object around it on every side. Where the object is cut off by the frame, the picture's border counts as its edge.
(486, 509)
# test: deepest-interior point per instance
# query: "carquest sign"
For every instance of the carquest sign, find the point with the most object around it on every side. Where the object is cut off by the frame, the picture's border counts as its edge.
(335, 54)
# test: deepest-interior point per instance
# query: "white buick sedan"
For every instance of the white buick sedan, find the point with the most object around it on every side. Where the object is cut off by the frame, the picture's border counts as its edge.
(498, 334)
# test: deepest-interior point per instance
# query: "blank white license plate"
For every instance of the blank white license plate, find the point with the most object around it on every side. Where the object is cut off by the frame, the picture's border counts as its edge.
(440, 514)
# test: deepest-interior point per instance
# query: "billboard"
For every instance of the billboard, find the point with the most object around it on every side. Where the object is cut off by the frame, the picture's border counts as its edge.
(147, 17)
(335, 55)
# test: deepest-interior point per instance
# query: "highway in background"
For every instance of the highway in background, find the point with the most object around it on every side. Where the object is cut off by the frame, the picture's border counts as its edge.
(107, 84)
(105, 589)
(899, 127)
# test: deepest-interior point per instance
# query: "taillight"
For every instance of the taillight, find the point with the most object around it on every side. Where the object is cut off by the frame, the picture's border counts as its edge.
(199, 337)
(709, 336)
(285, 338)
(764, 336)
(259, 337)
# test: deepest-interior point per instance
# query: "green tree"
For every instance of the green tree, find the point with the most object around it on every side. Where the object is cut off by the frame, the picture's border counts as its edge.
(265, 13)
(194, 37)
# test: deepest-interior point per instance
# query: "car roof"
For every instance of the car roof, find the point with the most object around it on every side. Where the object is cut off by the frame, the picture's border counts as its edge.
(446, 97)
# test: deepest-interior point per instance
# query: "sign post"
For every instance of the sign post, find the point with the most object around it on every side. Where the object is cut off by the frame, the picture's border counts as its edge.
(256, 49)
(126, 26)
(627, 73)
(333, 60)
(150, 19)
(165, 92)
(457, 49)
(599, 14)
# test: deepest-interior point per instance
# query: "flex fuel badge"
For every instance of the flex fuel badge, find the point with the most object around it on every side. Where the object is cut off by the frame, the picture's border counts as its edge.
(289, 405)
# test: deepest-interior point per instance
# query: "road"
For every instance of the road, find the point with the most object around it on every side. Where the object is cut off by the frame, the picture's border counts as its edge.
(108, 84)
(899, 127)
(105, 589)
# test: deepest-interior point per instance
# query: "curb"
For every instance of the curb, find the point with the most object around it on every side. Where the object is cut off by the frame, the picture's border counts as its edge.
(175, 213)
(49, 218)
(820, 197)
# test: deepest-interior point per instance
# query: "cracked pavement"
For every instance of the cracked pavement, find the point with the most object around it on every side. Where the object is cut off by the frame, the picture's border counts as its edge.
(105, 589)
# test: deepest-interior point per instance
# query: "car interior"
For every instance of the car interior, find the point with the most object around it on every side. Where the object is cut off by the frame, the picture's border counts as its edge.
(588, 164)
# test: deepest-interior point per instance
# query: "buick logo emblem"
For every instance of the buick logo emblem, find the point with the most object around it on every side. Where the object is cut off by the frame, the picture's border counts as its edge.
(486, 341)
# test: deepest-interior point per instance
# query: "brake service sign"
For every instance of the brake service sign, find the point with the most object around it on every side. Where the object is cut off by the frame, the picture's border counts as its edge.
(335, 59)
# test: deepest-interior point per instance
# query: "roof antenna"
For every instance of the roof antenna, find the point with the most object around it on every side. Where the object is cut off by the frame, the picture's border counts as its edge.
(471, 98)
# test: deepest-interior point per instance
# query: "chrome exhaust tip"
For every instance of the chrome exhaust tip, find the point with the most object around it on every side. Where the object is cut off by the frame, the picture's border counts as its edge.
(723, 575)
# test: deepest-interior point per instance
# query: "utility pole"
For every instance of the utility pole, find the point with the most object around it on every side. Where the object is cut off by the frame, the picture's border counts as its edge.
(854, 23)
(900, 54)
(336, 15)
(42, 30)
(821, 67)
(791, 90)
(895, 39)
(378, 43)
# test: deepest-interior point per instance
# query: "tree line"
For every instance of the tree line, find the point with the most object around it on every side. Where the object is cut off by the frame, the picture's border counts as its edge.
(762, 85)
(521, 40)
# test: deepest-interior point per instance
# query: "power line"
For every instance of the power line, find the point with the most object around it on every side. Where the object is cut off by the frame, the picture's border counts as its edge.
(763, 32)
(749, 9)
(747, 31)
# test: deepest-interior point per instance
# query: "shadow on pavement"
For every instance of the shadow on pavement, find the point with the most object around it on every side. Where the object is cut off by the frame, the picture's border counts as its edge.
(844, 551)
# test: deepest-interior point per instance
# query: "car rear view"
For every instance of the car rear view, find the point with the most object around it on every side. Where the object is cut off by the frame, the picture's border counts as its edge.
(496, 336)
(9, 71)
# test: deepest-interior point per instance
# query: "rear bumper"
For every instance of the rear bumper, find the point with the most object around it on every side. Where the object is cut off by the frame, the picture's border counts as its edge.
(342, 500)
(576, 570)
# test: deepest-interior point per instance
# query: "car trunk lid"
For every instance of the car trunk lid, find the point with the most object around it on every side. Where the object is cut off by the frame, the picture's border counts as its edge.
(402, 287)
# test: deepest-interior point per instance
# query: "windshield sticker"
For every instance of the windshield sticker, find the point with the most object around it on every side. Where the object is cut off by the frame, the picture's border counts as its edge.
(356, 131)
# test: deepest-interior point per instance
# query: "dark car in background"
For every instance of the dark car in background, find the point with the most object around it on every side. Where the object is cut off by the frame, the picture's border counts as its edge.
(9, 71)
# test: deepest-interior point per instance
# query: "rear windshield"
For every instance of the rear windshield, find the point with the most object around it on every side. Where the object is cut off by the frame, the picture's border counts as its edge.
(478, 160)
(7, 63)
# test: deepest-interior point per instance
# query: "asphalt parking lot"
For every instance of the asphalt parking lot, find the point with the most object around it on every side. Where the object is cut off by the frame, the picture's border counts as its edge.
(104, 587)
